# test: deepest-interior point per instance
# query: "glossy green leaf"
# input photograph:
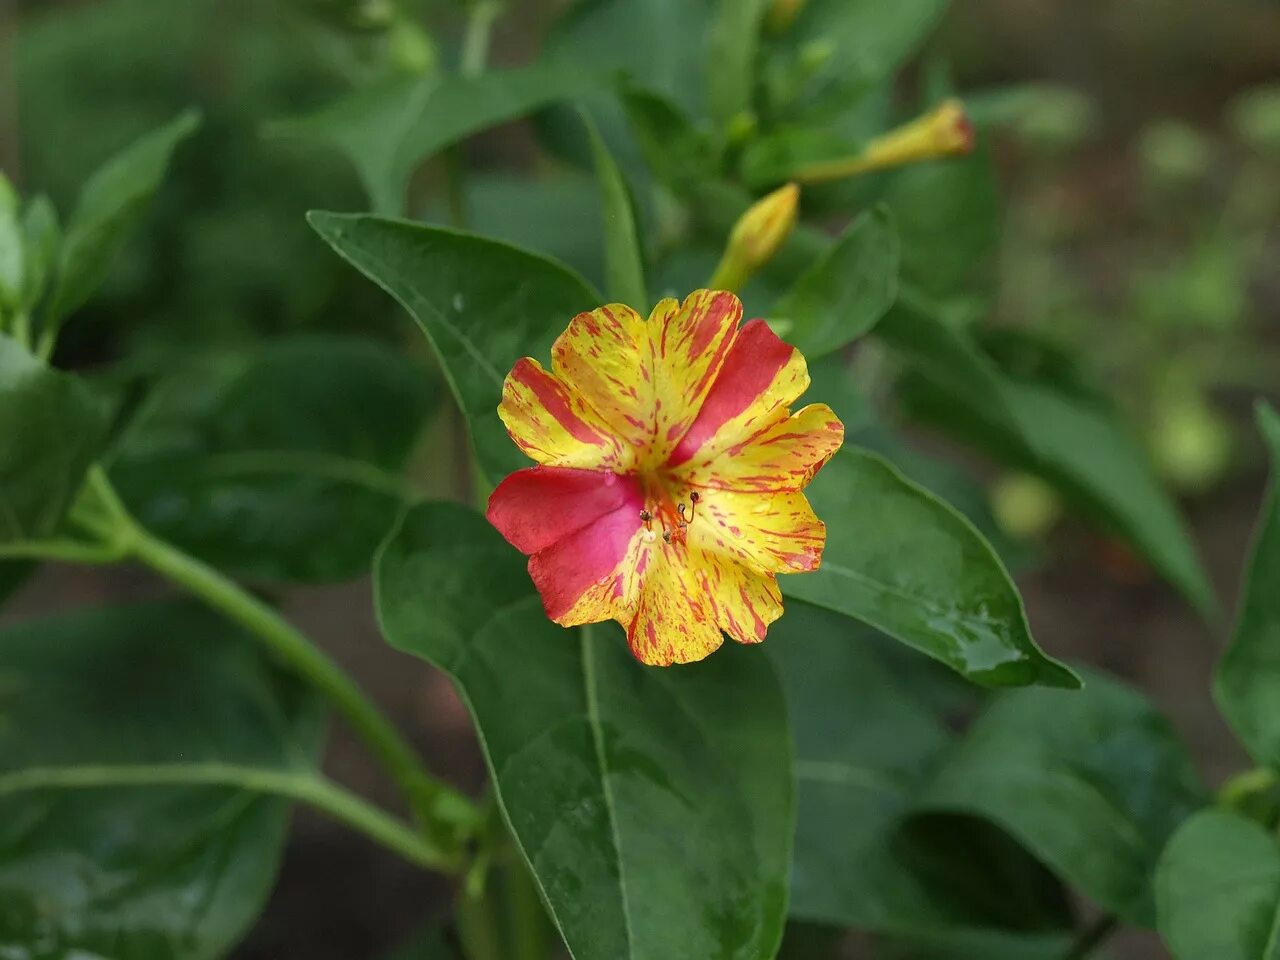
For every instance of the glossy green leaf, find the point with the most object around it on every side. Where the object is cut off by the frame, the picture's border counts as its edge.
(654, 805)
(110, 202)
(1218, 890)
(904, 562)
(287, 469)
(90, 868)
(854, 44)
(846, 292)
(53, 430)
(856, 864)
(1094, 782)
(387, 129)
(1247, 685)
(1046, 427)
(733, 45)
(482, 304)
(42, 238)
(623, 257)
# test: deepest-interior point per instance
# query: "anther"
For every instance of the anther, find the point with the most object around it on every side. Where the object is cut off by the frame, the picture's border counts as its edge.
(666, 536)
(646, 518)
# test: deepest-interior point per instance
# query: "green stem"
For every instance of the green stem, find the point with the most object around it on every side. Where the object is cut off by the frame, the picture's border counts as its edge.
(61, 550)
(311, 789)
(1092, 936)
(438, 808)
(478, 925)
(475, 42)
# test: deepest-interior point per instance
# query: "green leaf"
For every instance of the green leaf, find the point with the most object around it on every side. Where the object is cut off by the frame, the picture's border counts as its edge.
(290, 469)
(1218, 889)
(110, 202)
(904, 562)
(852, 45)
(53, 430)
(624, 261)
(675, 151)
(654, 805)
(42, 237)
(855, 865)
(387, 129)
(733, 46)
(1047, 427)
(984, 945)
(844, 294)
(1247, 685)
(1093, 782)
(659, 44)
(482, 304)
(88, 868)
(948, 216)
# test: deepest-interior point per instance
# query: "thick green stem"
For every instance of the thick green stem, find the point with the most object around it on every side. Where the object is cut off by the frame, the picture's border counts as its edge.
(311, 789)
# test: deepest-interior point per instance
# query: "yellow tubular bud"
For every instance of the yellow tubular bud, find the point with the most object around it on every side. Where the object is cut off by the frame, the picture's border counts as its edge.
(756, 237)
(944, 131)
(782, 14)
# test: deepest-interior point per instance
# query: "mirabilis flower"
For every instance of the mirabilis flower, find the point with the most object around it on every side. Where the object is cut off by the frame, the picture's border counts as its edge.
(668, 491)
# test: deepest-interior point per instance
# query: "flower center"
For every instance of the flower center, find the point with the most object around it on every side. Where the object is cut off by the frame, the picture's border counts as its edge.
(668, 510)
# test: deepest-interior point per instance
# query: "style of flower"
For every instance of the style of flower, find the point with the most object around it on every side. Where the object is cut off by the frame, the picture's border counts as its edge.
(668, 491)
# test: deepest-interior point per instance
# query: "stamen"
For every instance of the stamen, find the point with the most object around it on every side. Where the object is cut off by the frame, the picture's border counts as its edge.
(647, 519)
(694, 497)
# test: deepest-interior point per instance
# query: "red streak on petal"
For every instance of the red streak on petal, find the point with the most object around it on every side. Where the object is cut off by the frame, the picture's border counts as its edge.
(755, 360)
(551, 394)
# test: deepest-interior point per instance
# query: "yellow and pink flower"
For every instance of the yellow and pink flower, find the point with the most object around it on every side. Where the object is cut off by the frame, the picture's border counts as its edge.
(667, 494)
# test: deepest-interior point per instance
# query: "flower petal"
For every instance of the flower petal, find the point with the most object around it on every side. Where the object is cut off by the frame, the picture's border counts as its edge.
(768, 532)
(592, 574)
(605, 356)
(690, 342)
(759, 378)
(538, 506)
(782, 458)
(554, 426)
(676, 619)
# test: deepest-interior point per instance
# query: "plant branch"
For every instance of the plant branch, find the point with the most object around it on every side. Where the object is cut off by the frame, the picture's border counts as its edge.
(439, 809)
(308, 788)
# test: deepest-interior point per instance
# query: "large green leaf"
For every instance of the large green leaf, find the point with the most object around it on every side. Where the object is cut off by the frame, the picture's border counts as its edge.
(289, 468)
(110, 202)
(654, 805)
(855, 864)
(1248, 680)
(844, 294)
(1093, 782)
(53, 430)
(901, 560)
(91, 701)
(387, 129)
(1048, 427)
(482, 304)
(1218, 890)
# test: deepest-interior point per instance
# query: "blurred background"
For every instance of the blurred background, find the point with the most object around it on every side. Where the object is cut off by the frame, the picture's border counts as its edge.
(1138, 149)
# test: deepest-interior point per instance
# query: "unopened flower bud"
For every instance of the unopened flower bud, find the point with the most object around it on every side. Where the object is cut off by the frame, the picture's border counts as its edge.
(756, 237)
(783, 13)
(944, 131)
